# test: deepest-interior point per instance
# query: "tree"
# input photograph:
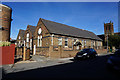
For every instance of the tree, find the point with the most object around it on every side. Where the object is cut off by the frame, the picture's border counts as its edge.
(114, 40)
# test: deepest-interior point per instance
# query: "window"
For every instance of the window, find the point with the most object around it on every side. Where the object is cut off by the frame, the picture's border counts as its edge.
(75, 41)
(27, 39)
(24, 42)
(39, 31)
(19, 37)
(38, 41)
(41, 40)
(92, 44)
(82, 43)
(31, 44)
(66, 42)
(19, 43)
(77, 47)
(59, 41)
(52, 39)
(85, 42)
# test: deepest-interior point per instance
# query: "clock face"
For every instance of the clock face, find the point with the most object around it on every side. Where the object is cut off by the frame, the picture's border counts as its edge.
(39, 31)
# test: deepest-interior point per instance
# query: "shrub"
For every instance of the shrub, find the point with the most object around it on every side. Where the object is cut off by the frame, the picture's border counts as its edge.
(5, 43)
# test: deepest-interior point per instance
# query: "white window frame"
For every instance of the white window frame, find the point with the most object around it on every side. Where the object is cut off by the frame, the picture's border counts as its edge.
(40, 40)
(30, 43)
(24, 43)
(39, 31)
(77, 47)
(27, 37)
(59, 40)
(66, 41)
(19, 44)
(19, 37)
(52, 39)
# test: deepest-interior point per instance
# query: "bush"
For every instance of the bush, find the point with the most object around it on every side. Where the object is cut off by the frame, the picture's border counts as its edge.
(4, 43)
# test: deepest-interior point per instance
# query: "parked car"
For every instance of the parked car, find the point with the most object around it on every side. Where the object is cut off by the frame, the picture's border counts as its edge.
(113, 62)
(86, 53)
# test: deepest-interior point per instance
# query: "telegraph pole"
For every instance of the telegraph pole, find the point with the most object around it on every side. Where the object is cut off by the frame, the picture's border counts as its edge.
(107, 42)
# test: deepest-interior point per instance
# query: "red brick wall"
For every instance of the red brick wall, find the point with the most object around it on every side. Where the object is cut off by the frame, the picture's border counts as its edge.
(5, 21)
(7, 54)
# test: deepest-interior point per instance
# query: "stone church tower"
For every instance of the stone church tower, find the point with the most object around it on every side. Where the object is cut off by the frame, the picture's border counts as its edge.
(108, 29)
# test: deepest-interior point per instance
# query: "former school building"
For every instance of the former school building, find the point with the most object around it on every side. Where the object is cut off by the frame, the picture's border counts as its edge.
(52, 39)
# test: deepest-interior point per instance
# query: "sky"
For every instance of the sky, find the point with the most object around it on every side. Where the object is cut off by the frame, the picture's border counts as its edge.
(89, 16)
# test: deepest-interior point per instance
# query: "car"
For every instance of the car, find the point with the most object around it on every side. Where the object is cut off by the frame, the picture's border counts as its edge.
(86, 53)
(113, 62)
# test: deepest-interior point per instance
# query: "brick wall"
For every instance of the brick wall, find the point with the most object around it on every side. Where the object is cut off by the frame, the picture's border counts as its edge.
(5, 21)
(45, 35)
(7, 53)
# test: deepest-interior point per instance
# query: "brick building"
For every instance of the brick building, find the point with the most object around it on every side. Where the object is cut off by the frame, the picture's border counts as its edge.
(5, 22)
(20, 38)
(29, 35)
(54, 39)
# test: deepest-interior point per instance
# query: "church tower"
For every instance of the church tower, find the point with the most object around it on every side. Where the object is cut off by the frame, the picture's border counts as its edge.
(108, 29)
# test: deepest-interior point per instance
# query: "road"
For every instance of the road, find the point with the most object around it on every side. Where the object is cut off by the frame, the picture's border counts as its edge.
(85, 69)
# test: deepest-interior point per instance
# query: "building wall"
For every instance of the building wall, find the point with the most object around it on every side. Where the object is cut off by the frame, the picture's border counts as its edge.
(5, 21)
(71, 42)
(45, 35)
(51, 48)
(65, 51)
(21, 40)
(30, 36)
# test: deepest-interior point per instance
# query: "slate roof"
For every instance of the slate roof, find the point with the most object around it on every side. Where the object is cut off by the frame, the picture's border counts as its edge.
(32, 29)
(22, 32)
(58, 28)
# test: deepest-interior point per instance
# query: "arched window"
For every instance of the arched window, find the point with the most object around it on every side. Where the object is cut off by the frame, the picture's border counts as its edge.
(39, 41)
(27, 39)
(19, 37)
(39, 37)
(39, 31)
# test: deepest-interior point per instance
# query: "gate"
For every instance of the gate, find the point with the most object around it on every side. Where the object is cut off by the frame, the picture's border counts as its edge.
(22, 53)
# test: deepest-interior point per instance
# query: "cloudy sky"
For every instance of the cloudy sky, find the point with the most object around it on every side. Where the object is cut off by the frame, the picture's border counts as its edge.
(90, 16)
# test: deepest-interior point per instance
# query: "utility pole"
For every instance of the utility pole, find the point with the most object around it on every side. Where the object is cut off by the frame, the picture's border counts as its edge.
(107, 42)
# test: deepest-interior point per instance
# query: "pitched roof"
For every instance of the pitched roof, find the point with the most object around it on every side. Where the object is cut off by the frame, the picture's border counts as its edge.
(58, 28)
(21, 33)
(32, 28)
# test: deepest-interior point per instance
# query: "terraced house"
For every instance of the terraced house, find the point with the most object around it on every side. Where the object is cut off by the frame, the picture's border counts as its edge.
(52, 39)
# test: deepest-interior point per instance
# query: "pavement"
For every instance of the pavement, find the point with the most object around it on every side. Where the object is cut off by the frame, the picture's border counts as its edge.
(64, 68)
(37, 62)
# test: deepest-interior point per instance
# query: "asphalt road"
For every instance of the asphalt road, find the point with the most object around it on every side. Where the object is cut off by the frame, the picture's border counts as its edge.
(85, 69)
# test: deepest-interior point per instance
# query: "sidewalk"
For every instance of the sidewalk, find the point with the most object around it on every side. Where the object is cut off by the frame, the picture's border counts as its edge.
(27, 65)
(37, 62)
